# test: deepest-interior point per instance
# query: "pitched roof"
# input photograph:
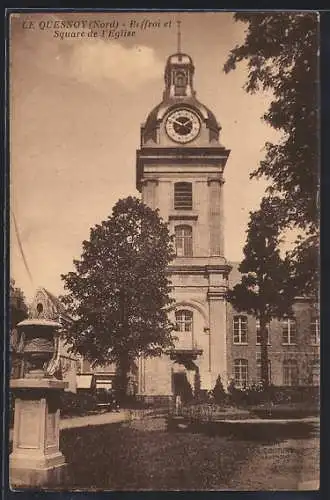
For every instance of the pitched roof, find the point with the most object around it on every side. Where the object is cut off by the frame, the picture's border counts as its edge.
(53, 306)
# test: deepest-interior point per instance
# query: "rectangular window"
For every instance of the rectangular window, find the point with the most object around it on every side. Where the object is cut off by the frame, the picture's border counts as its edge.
(241, 376)
(289, 332)
(183, 241)
(315, 331)
(315, 372)
(183, 196)
(290, 372)
(240, 329)
(258, 333)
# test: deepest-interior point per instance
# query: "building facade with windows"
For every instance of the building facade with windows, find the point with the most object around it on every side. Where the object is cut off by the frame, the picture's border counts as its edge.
(293, 345)
(180, 171)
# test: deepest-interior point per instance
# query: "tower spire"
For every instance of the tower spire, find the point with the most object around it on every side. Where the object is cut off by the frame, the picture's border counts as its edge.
(179, 35)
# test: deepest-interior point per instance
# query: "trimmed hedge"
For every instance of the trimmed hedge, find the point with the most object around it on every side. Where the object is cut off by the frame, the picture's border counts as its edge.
(255, 395)
(80, 403)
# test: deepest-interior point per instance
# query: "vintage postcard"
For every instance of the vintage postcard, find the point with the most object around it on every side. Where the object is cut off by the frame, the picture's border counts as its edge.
(164, 250)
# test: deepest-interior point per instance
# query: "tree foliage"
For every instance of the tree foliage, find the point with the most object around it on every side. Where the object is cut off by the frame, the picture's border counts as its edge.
(18, 312)
(281, 53)
(305, 261)
(18, 307)
(267, 288)
(218, 392)
(281, 50)
(119, 293)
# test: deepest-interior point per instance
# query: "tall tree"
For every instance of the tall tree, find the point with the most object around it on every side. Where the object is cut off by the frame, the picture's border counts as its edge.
(119, 293)
(266, 289)
(281, 52)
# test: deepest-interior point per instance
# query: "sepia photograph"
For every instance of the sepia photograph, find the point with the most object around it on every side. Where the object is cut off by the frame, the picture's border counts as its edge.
(164, 250)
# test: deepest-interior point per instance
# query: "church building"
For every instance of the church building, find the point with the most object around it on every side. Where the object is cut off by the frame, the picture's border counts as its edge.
(180, 170)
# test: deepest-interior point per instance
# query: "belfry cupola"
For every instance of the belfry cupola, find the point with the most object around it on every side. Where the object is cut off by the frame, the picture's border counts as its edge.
(179, 72)
(180, 119)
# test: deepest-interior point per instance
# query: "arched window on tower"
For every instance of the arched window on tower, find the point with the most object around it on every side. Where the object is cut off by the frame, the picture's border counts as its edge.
(180, 82)
(183, 241)
(183, 196)
(184, 320)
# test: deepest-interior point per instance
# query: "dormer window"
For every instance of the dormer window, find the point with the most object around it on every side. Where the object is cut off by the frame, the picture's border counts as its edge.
(183, 196)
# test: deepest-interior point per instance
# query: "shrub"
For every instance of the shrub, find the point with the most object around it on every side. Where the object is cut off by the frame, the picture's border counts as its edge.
(255, 394)
(301, 394)
(135, 403)
(77, 404)
(197, 385)
(218, 393)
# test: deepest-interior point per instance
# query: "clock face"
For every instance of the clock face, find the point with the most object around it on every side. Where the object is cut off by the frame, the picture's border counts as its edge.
(182, 125)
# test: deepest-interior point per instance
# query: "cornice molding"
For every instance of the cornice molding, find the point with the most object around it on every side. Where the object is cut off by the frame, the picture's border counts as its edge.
(182, 216)
(145, 180)
(217, 180)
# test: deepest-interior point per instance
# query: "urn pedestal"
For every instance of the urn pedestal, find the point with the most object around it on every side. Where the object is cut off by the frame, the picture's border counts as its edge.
(36, 460)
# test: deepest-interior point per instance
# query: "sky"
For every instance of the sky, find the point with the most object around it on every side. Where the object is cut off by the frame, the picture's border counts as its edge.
(76, 107)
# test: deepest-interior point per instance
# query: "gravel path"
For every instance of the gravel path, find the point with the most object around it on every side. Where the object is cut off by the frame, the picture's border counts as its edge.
(100, 419)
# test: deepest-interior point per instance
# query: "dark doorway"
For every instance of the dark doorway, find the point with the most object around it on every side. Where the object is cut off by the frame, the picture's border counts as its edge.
(182, 387)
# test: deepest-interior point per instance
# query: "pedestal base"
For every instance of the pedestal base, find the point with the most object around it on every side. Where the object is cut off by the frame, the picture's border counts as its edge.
(33, 477)
(36, 459)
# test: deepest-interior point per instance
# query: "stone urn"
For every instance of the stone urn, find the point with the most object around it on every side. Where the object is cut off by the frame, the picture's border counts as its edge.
(36, 459)
(39, 347)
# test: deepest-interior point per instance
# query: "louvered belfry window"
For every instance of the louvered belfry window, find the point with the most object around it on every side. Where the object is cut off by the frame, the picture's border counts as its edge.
(183, 196)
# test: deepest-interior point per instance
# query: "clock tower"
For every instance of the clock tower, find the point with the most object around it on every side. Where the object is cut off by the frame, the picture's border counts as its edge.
(180, 166)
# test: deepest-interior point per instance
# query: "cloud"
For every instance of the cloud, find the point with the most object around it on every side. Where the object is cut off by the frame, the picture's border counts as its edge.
(94, 61)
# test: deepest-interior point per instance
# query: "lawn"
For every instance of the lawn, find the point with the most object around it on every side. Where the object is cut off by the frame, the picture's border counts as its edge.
(146, 457)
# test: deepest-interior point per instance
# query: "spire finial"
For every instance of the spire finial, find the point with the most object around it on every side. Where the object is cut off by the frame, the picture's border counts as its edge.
(179, 35)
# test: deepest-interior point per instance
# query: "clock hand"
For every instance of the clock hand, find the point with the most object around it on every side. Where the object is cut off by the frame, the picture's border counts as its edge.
(173, 120)
(182, 124)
